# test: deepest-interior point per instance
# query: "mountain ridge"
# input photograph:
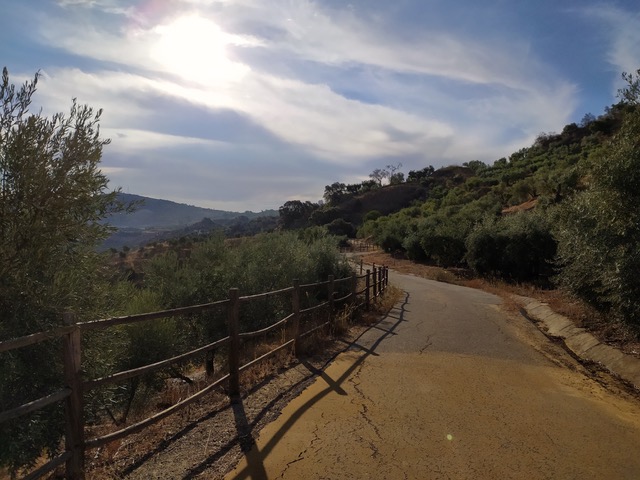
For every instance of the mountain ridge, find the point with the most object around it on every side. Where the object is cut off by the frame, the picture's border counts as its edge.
(167, 214)
(157, 219)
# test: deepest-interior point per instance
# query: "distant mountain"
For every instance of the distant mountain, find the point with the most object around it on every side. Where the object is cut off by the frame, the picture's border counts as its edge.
(157, 220)
(165, 214)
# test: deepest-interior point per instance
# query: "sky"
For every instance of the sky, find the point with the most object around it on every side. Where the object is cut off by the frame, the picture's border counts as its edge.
(245, 104)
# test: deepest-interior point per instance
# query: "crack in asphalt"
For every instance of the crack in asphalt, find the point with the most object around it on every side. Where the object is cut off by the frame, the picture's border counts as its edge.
(398, 466)
(364, 409)
(426, 345)
(374, 450)
(302, 455)
(364, 414)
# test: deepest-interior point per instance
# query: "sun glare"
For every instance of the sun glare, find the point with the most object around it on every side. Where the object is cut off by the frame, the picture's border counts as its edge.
(195, 48)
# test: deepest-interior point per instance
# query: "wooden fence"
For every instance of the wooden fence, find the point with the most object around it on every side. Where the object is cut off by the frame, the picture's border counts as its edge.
(375, 282)
(358, 245)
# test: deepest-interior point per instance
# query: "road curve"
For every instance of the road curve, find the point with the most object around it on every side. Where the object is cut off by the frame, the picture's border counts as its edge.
(449, 386)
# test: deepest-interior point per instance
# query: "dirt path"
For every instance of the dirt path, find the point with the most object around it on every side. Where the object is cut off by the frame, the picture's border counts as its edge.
(449, 386)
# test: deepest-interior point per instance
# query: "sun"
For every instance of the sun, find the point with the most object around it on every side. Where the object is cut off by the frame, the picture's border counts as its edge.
(195, 48)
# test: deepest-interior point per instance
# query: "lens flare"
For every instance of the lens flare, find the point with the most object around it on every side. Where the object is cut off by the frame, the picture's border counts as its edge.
(195, 48)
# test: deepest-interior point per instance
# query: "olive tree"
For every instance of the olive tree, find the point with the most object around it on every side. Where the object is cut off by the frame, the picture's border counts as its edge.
(518, 247)
(53, 197)
(599, 229)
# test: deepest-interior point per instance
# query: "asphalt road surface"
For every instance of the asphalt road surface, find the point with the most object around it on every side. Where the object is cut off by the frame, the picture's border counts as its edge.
(450, 386)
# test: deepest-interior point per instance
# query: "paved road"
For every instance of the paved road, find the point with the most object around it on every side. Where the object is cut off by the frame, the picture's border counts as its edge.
(449, 386)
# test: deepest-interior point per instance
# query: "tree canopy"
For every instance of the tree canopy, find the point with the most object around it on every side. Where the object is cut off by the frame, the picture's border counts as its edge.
(53, 197)
(599, 228)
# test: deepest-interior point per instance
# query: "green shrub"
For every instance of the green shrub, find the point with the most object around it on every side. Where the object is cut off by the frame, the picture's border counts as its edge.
(518, 247)
(413, 248)
(442, 239)
(254, 265)
(372, 215)
(389, 232)
(340, 227)
(599, 230)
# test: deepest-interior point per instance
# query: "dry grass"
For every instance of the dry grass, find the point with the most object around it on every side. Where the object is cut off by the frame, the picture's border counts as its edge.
(264, 370)
(382, 306)
(343, 320)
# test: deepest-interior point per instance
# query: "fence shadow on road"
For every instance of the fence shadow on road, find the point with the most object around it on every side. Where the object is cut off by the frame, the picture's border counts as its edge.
(242, 426)
(245, 428)
(255, 468)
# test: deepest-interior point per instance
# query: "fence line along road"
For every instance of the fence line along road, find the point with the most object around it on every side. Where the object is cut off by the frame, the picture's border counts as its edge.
(375, 282)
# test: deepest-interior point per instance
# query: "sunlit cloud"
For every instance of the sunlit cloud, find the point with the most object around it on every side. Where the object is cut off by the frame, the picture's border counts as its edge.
(319, 90)
(622, 28)
(195, 48)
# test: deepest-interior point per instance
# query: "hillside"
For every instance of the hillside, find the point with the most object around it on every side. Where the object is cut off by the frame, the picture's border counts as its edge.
(562, 213)
(165, 214)
(158, 220)
(386, 200)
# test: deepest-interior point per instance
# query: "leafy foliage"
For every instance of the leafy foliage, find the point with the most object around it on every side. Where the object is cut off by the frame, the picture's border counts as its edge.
(341, 228)
(52, 199)
(295, 214)
(630, 94)
(518, 247)
(254, 265)
(599, 229)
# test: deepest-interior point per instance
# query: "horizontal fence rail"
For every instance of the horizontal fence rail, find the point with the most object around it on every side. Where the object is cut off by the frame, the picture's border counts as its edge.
(110, 322)
(88, 385)
(375, 282)
(358, 246)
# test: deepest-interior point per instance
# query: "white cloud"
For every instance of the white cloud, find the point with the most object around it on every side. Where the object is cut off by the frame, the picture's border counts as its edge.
(420, 81)
(345, 37)
(310, 116)
(130, 140)
(339, 129)
(623, 30)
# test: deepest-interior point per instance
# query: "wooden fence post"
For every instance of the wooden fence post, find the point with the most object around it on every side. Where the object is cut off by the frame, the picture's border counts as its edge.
(354, 288)
(375, 281)
(367, 296)
(383, 278)
(361, 262)
(295, 304)
(331, 289)
(209, 360)
(73, 408)
(234, 344)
